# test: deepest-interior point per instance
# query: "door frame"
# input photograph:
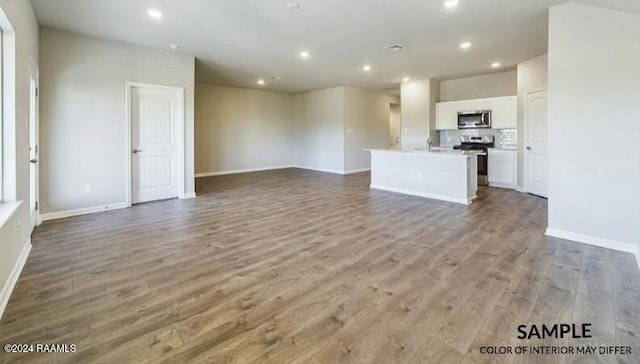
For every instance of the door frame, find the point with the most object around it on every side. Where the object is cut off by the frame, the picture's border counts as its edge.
(399, 129)
(34, 72)
(130, 85)
(525, 130)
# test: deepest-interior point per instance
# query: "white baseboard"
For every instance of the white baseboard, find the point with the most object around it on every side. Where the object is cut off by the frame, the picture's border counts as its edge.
(503, 185)
(11, 281)
(188, 195)
(248, 170)
(596, 241)
(353, 171)
(326, 170)
(422, 194)
(236, 171)
(83, 211)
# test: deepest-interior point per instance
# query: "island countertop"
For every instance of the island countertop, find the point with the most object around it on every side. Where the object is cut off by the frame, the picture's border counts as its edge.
(441, 174)
(432, 152)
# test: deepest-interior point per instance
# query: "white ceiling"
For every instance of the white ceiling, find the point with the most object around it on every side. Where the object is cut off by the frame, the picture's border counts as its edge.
(237, 42)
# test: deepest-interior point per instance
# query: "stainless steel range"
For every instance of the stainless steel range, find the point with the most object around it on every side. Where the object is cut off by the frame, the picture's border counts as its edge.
(479, 144)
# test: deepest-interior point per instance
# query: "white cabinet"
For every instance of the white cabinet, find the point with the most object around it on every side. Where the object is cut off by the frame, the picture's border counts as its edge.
(447, 115)
(502, 168)
(503, 112)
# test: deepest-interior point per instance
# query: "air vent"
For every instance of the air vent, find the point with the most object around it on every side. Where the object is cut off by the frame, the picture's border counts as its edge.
(395, 48)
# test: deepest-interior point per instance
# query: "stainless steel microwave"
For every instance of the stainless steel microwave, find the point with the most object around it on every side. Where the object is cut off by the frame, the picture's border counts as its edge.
(474, 119)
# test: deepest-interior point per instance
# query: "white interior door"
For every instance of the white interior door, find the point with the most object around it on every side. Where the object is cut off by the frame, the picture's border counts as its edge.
(394, 125)
(33, 151)
(536, 143)
(155, 143)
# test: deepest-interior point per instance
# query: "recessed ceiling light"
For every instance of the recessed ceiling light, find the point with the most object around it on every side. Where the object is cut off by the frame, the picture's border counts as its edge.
(450, 4)
(174, 46)
(293, 6)
(366, 68)
(496, 65)
(406, 79)
(261, 82)
(465, 45)
(304, 54)
(154, 14)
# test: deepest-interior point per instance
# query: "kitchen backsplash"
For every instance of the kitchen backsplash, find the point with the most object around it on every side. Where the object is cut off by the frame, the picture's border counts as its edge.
(503, 137)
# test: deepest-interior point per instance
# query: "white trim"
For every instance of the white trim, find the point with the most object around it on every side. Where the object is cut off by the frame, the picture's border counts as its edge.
(7, 210)
(83, 211)
(181, 136)
(234, 171)
(34, 72)
(360, 170)
(596, 241)
(423, 194)
(334, 171)
(520, 189)
(271, 168)
(188, 195)
(503, 185)
(10, 284)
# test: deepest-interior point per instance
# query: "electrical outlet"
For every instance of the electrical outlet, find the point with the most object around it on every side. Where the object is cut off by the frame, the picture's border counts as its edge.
(18, 223)
(244, 160)
(87, 189)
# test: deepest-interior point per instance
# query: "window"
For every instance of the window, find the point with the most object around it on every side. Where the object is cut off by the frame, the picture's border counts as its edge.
(2, 199)
(7, 112)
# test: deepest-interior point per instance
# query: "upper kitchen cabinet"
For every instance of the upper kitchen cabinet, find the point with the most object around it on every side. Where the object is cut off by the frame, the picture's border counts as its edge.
(503, 112)
(447, 115)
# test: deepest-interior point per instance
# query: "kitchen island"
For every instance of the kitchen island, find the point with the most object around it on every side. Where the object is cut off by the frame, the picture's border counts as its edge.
(445, 175)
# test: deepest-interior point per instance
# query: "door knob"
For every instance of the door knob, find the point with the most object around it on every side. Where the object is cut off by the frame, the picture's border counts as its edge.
(34, 161)
(528, 147)
(135, 151)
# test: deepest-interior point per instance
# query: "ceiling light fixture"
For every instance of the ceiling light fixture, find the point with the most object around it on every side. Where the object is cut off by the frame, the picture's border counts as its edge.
(154, 14)
(406, 79)
(465, 45)
(261, 82)
(450, 4)
(304, 54)
(496, 65)
(174, 46)
(366, 68)
(293, 6)
(395, 48)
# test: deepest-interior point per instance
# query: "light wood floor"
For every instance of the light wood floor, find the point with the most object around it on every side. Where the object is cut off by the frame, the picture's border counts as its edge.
(299, 266)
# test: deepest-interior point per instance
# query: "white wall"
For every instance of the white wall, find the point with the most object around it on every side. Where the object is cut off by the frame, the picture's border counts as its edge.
(594, 130)
(532, 74)
(489, 85)
(241, 129)
(83, 114)
(14, 233)
(318, 129)
(417, 114)
(367, 115)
